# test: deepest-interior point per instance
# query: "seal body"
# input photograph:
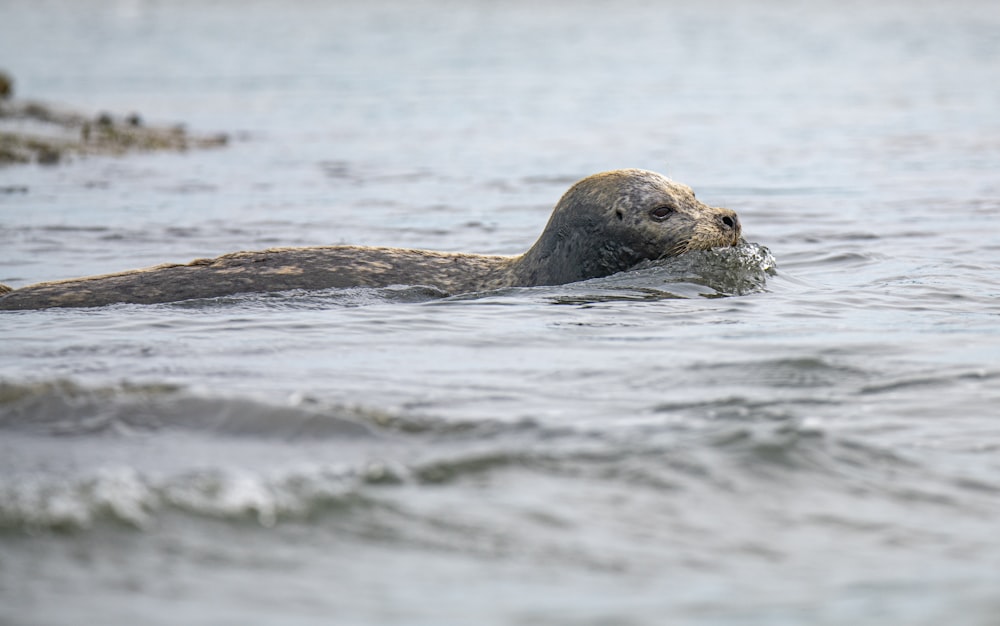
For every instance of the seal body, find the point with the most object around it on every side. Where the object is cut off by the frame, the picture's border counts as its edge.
(605, 223)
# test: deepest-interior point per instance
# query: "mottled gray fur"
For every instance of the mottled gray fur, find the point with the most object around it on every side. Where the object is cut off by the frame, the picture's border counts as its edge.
(604, 224)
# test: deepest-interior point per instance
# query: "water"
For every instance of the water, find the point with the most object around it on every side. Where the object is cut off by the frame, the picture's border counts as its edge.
(707, 442)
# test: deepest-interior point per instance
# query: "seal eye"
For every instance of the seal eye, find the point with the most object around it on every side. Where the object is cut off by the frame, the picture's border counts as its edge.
(661, 212)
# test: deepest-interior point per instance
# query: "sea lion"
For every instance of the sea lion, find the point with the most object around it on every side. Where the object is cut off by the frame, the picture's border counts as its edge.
(605, 223)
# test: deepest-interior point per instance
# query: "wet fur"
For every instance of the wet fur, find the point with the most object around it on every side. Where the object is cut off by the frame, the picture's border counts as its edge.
(601, 226)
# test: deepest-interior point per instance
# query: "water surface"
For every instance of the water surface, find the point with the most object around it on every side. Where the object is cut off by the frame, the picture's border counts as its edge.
(714, 442)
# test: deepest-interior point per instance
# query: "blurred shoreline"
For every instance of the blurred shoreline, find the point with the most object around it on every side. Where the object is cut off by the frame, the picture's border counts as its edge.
(36, 132)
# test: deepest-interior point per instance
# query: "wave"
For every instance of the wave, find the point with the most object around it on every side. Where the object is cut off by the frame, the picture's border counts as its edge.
(729, 459)
(309, 463)
(132, 455)
(64, 408)
(125, 496)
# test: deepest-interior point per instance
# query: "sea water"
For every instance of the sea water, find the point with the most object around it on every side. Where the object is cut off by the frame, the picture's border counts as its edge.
(801, 430)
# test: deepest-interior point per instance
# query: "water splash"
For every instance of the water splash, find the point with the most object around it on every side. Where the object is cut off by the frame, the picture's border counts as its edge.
(718, 273)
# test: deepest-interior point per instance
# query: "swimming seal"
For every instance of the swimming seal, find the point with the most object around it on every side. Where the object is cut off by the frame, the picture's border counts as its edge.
(605, 223)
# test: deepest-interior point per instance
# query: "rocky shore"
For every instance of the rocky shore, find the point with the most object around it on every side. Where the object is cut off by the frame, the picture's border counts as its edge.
(33, 132)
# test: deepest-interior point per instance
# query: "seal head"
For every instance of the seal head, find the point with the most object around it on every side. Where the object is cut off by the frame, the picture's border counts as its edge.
(609, 222)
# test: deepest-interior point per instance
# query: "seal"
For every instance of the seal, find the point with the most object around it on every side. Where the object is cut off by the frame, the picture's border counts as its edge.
(604, 224)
